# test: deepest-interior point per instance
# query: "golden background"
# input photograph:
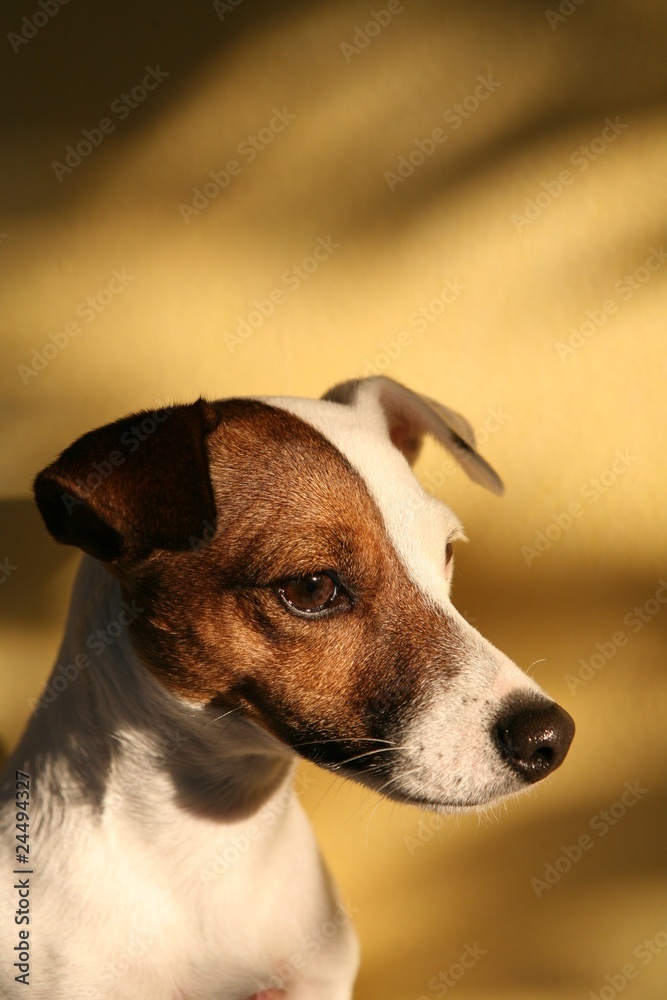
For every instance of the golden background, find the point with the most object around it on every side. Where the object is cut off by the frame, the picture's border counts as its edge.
(529, 231)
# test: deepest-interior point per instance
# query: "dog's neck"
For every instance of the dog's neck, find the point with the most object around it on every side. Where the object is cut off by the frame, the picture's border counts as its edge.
(114, 737)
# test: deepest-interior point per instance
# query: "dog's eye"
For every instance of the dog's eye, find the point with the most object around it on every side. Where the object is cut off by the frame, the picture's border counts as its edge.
(311, 595)
(449, 555)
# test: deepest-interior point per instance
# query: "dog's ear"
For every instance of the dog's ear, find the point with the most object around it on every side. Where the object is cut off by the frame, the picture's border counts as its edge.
(132, 486)
(410, 416)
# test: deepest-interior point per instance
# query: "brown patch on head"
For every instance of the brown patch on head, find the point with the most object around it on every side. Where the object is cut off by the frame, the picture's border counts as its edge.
(288, 504)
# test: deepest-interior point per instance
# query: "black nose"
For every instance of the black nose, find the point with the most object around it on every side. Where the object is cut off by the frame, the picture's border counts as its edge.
(533, 737)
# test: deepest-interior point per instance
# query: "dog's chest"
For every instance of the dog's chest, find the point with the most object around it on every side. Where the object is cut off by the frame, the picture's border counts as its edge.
(190, 913)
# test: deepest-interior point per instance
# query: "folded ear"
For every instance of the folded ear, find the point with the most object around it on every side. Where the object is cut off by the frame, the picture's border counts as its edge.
(132, 486)
(410, 416)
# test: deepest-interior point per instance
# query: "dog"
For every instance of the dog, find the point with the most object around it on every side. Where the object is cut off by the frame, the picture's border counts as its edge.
(264, 580)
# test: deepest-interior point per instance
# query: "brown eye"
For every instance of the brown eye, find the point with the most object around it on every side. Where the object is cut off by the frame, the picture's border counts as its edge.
(311, 594)
(449, 554)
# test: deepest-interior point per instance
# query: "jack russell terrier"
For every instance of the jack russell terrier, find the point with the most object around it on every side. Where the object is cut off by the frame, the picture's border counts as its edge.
(264, 580)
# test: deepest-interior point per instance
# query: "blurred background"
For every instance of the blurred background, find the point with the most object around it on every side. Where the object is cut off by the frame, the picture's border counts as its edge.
(245, 197)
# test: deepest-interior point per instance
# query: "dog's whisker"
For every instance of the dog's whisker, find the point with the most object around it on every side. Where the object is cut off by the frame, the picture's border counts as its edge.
(335, 780)
(339, 739)
(221, 734)
(368, 753)
(380, 790)
(375, 750)
(223, 716)
(398, 777)
(370, 819)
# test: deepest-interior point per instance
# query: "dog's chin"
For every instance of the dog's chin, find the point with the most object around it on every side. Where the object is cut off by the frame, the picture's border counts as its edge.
(445, 802)
(453, 805)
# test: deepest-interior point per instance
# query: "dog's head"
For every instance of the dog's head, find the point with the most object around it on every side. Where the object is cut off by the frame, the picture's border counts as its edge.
(292, 567)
